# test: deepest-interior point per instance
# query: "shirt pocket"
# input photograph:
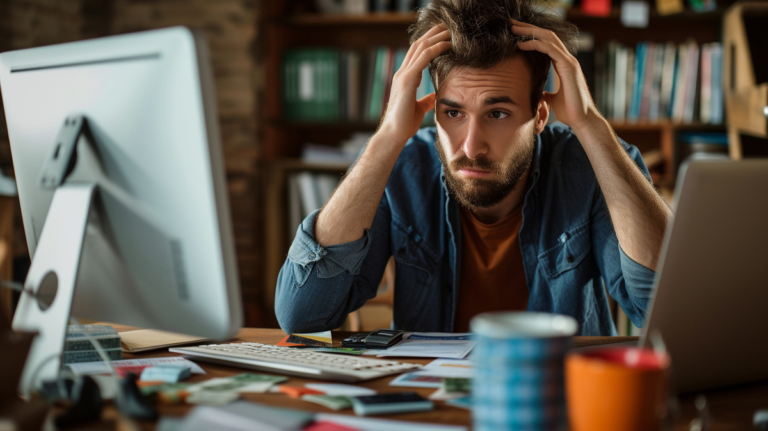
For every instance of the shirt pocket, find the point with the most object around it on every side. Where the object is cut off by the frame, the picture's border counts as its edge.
(415, 262)
(571, 249)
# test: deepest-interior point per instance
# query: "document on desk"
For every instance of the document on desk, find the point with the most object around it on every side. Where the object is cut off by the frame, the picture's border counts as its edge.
(99, 367)
(448, 368)
(371, 424)
(432, 345)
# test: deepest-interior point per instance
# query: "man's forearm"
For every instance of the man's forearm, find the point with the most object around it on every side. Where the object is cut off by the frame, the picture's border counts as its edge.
(638, 213)
(353, 205)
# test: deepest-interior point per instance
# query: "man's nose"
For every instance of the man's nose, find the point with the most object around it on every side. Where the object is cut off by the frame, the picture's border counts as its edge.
(474, 142)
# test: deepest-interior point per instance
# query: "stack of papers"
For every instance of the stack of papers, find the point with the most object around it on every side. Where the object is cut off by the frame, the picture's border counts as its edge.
(432, 345)
(432, 374)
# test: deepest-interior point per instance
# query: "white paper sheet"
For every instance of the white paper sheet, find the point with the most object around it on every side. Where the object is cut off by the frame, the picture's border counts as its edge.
(368, 424)
(99, 367)
(413, 380)
(442, 395)
(433, 347)
(448, 368)
(337, 389)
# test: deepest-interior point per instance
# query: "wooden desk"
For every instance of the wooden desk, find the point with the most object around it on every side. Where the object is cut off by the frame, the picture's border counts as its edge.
(731, 408)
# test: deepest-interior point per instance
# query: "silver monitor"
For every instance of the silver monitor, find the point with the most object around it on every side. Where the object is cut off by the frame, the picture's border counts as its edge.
(120, 175)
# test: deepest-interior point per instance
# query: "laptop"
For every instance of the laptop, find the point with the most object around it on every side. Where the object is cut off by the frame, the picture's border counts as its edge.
(710, 302)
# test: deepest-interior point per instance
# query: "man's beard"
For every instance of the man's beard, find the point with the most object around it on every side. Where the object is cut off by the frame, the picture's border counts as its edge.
(485, 193)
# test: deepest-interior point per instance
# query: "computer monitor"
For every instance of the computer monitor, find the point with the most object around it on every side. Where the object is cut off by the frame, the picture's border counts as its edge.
(120, 175)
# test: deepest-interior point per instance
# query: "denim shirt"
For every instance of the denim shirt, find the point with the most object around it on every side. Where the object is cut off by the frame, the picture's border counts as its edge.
(568, 244)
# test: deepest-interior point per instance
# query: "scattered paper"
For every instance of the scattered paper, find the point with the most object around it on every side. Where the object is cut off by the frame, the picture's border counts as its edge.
(334, 402)
(356, 351)
(165, 373)
(212, 398)
(447, 336)
(413, 380)
(241, 383)
(432, 345)
(453, 368)
(465, 403)
(370, 424)
(442, 395)
(316, 339)
(99, 367)
(336, 389)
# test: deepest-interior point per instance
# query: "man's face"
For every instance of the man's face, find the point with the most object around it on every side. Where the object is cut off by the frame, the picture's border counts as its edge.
(485, 131)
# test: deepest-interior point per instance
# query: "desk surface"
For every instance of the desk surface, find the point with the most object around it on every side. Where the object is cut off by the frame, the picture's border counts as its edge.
(731, 408)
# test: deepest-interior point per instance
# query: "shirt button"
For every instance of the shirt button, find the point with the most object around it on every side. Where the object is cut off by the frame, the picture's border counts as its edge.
(311, 255)
(569, 258)
(401, 252)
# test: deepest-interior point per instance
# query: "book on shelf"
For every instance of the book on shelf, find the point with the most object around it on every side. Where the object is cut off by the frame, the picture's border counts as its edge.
(307, 191)
(310, 84)
(329, 85)
(654, 82)
(359, 7)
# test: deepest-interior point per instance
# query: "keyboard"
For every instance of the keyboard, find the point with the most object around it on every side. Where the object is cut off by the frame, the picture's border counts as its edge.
(295, 361)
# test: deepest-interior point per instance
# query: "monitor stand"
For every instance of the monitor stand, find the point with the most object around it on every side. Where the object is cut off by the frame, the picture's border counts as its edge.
(52, 277)
(53, 273)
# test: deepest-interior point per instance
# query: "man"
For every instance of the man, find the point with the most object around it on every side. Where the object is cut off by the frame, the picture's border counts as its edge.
(492, 209)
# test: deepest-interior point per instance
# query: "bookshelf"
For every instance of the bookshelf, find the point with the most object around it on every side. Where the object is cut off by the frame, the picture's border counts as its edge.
(293, 25)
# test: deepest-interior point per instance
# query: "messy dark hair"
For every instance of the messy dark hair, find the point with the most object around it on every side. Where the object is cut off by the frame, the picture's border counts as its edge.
(481, 35)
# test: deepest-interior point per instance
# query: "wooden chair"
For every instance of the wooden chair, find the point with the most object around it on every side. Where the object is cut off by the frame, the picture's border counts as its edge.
(745, 78)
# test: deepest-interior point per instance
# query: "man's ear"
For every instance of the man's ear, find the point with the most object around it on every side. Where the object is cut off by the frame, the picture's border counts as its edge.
(542, 113)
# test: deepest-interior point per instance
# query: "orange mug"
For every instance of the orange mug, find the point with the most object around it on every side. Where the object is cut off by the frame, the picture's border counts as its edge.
(617, 389)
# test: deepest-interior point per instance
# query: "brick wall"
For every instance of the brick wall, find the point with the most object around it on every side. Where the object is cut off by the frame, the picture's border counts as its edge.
(231, 28)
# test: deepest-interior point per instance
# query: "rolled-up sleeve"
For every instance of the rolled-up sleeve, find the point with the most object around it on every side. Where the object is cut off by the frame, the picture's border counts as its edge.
(319, 286)
(330, 261)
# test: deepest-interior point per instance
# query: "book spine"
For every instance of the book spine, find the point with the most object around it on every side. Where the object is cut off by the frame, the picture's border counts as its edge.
(717, 83)
(680, 83)
(647, 84)
(667, 80)
(637, 85)
(620, 84)
(610, 77)
(706, 84)
(690, 92)
(377, 92)
(389, 71)
(658, 70)
(354, 73)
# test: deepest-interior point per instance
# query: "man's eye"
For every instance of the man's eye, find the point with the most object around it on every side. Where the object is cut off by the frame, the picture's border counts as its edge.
(499, 115)
(452, 113)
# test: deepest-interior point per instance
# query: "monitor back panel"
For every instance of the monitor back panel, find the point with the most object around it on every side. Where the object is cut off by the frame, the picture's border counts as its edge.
(712, 287)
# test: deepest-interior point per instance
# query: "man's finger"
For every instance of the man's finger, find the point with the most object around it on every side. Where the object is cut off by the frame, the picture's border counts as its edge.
(427, 43)
(431, 32)
(546, 47)
(428, 54)
(524, 29)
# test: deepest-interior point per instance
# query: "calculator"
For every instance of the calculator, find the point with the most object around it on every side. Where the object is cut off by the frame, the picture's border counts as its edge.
(378, 339)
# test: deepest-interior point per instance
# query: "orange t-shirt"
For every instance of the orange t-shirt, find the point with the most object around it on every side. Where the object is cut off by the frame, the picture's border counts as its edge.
(492, 274)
